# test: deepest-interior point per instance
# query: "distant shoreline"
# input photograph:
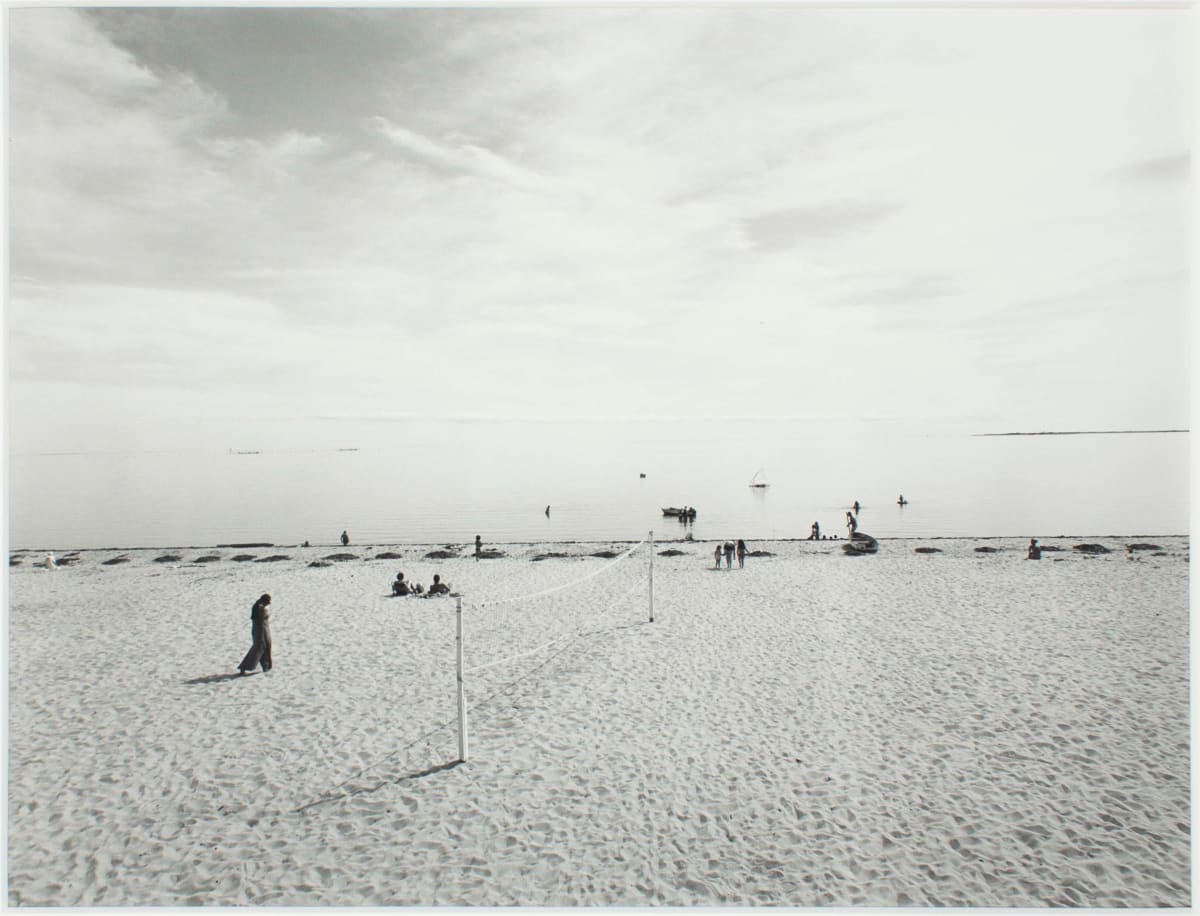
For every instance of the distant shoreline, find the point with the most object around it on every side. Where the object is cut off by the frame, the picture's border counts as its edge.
(1088, 432)
(468, 548)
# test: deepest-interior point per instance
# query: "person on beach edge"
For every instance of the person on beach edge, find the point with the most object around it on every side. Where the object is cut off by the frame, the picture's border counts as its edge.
(260, 634)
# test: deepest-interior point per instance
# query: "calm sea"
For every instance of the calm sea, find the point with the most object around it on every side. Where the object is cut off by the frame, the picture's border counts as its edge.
(446, 481)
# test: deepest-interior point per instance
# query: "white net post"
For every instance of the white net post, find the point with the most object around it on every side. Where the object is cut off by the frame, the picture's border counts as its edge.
(651, 539)
(462, 698)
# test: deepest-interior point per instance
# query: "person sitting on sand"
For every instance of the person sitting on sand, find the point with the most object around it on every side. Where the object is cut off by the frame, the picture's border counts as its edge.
(1035, 552)
(400, 587)
(438, 587)
(260, 635)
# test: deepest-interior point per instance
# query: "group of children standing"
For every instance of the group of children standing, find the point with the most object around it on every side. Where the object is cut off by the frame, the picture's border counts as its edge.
(727, 550)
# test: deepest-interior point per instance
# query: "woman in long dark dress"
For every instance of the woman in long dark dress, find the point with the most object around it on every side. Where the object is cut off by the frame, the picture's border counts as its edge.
(260, 632)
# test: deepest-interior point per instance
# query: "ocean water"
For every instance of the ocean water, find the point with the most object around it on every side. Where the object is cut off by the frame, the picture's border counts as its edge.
(433, 481)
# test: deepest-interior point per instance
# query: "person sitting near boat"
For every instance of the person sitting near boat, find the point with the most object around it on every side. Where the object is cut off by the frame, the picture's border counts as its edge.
(1034, 552)
(438, 587)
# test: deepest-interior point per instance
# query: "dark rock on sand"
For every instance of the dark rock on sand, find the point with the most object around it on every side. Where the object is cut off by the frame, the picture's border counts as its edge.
(1132, 547)
(341, 557)
(986, 550)
(319, 563)
(244, 546)
(389, 556)
(14, 561)
(168, 558)
(1050, 548)
(760, 553)
(550, 556)
(606, 554)
(489, 553)
(928, 550)
(243, 558)
(115, 560)
(441, 554)
(210, 558)
(671, 552)
(1091, 548)
(273, 558)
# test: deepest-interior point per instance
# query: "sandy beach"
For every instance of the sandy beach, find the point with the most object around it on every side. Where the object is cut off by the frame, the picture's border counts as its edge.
(961, 727)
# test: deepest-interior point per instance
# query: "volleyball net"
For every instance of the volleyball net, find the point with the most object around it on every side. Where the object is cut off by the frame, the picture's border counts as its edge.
(502, 641)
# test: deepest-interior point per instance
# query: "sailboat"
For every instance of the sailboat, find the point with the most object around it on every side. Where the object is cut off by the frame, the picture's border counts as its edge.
(759, 479)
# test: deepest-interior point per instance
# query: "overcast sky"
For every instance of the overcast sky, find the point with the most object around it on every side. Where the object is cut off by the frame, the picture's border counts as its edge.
(976, 216)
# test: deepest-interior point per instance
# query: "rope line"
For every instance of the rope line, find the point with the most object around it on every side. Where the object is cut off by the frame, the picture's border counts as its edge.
(559, 588)
(513, 658)
(338, 792)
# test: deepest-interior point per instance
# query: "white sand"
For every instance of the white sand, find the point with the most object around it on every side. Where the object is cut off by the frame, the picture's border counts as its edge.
(957, 728)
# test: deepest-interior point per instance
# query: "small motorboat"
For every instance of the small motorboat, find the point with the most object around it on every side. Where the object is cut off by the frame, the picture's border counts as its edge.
(679, 513)
(860, 544)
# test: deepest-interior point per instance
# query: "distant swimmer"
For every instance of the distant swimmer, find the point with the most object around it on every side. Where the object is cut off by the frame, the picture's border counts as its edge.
(856, 507)
(1035, 552)
(902, 501)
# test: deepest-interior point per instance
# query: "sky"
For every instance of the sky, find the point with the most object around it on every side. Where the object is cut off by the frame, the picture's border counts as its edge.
(974, 216)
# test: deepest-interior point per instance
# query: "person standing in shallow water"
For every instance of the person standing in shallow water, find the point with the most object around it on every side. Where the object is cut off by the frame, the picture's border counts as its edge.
(478, 547)
(260, 634)
(345, 539)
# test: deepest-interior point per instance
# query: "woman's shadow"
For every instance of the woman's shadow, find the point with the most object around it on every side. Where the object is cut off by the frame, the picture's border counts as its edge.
(217, 678)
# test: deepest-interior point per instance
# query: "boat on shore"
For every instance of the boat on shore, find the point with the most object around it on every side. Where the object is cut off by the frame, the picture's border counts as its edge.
(860, 544)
